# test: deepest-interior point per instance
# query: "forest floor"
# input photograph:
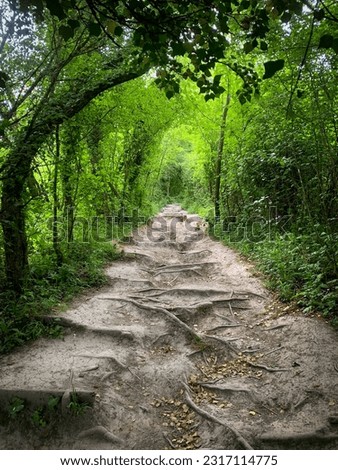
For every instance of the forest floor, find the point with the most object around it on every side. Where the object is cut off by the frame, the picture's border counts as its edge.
(183, 349)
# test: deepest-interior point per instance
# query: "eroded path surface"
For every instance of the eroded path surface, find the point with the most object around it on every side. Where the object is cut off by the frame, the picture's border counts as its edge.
(183, 349)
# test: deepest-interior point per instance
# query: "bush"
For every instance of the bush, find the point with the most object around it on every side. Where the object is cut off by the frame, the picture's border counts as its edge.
(299, 268)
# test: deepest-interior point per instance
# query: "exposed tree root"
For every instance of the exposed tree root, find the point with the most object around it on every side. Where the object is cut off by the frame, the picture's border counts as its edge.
(99, 432)
(169, 441)
(114, 332)
(221, 327)
(178, 270)
(210, 417)
(90, 369)
(154, 309)
(276, 327)
(194, 252)
(161, 337)
(227, 319)
(251, 351)
(148, 289)
(129, 279)
(229, 306)
(169, 315)
(194, 353)
(196, 291)
(223, 341)
(301, 402)
(227, 388)
(185, 265)
(110, 358)
(299, 437)
(191, 308)
(273, 350)
(269, 369)
(134, 254)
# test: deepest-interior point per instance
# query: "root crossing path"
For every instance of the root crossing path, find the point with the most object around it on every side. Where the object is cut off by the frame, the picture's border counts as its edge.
(183, 349)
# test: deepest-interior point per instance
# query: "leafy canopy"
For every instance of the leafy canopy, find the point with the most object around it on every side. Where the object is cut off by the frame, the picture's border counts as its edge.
(203, 31)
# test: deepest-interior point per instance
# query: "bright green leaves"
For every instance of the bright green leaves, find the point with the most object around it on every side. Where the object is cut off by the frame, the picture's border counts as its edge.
(327, 41)
(272, 67)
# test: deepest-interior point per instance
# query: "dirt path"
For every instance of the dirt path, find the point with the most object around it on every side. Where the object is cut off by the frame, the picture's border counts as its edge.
(183, 349)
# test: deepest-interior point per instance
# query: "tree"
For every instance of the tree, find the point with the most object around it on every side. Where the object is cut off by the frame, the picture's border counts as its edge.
(49, 90)
(85, 47)
(220, 157)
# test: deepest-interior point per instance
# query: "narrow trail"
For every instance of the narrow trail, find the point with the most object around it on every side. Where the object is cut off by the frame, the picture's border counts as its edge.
(183, 349)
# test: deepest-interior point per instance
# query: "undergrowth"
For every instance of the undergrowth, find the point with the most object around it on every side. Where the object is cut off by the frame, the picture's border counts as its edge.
(49, 286)
(300, 267)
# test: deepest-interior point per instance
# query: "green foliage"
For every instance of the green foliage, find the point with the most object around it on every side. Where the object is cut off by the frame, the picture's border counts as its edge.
(16, 407)
(77, 407)
(38, 418)
(272, 67)
(46, 415)
(298, 268)
(92, 157)
(279, 194)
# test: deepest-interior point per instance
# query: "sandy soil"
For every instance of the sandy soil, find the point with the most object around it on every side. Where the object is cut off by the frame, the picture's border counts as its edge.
(183, 349)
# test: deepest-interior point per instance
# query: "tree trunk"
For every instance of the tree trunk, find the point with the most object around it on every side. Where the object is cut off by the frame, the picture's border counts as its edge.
(15, 243)
(219, 159)
(56, 245)
(18, 167)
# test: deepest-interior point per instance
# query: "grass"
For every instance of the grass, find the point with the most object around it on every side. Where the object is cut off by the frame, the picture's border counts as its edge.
(299, 267)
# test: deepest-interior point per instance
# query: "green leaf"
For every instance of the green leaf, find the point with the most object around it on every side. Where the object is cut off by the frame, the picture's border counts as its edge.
(169, 94)
(56, 9)
(335, 45)
(286, 17)
(111, 25)
(3, 124)
(217, 79)
(178, 49)
(94, 29)
(209, 97)
(118, 31)
(66, 32)
(244, 5)
(3, 79)
(272, 67)
(300, 93)
(326, 41)
(73, 24)
(319, 14)
(248, 47)
(242, 99)
(296, 7)
(263, 46)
